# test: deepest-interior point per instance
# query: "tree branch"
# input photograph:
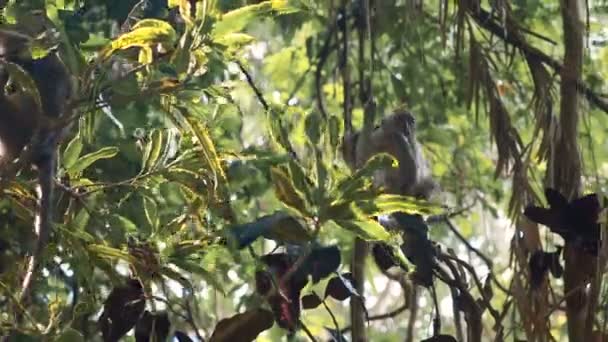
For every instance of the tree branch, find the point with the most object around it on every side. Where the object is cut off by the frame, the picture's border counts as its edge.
(484, 19)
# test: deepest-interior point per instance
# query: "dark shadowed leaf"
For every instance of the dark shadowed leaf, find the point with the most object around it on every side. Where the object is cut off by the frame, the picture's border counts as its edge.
(243, 327)
(121, 310)
(441, 338)
(576, 221)
(542, 262)
(555, 199)
(341, 287)
(384, 256)
(311, 301)
(321, 262)
(152, 327)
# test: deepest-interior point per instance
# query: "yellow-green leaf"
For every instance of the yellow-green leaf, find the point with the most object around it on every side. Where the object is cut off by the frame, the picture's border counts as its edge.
(369, 230)
(388, 203)
(88, 159)
(144, 34)
(286, 191)
(72, 152)
(237, 19)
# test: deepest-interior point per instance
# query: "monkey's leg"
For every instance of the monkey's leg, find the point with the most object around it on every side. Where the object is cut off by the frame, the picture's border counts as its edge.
(46, 164)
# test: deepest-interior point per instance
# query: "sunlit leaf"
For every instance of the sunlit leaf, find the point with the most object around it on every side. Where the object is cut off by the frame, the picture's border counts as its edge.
(145, 33)
(88, 159)
(369, 230)
(72, 152)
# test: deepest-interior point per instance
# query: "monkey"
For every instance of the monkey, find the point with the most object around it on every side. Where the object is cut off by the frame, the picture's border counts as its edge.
(396, 136)
(25, 121)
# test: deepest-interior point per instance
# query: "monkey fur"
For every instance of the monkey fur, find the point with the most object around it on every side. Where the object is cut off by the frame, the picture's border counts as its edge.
(22, 119)
(396, 136)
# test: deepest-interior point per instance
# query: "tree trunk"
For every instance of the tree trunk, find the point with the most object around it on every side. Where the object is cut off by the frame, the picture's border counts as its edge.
(566, 170)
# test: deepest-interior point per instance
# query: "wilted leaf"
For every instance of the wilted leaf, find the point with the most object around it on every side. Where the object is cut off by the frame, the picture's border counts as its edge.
(285, 301)
(121, 310)
(243, 327)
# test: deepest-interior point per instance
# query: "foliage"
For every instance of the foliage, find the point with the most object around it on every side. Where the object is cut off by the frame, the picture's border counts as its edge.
(202, 192)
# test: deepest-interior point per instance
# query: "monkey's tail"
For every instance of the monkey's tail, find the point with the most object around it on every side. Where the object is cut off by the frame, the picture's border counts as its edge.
(43, 221)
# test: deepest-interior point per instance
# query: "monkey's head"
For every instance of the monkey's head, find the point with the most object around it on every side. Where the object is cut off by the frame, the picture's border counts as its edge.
(400, 121)
(14, 45)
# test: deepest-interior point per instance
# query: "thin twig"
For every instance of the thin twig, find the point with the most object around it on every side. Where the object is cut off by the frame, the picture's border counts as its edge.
(307, 331)
(252, 85)
(333, 318)
(390, 314)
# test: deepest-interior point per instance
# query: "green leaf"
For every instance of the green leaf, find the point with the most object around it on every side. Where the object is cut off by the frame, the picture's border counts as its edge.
(209, 154)
(314, 126)
(88, 159)
(237, 19)
(70, 335)
(151, 211)
(72, 152)
(368, 230)
(153, 150)
(235, 40)
(121, 222)
(300, 180)
(388, 203)
(289, 230)
(107, 252)
(145, 33)
(286, 191)
(347, 187)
